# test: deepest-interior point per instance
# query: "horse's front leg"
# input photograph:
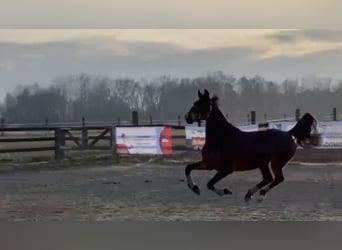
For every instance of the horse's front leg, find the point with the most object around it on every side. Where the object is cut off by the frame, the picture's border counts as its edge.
(216, 178)
(195, 166)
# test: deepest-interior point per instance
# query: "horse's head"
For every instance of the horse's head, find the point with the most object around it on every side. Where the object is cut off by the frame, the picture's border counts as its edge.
(200, 109)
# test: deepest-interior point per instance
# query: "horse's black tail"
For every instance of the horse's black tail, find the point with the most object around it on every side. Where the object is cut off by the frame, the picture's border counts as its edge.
(303, 128)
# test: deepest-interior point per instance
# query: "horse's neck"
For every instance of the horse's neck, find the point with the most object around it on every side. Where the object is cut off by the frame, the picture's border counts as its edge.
(217, 126)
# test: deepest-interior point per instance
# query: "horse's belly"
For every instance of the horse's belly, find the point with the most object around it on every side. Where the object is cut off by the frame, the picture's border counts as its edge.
(239, 165)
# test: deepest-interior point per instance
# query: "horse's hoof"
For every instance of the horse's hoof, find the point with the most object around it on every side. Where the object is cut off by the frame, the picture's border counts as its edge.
(248, 197)
(196, 190)
(226, 191)
(260, 199)
(262, 192)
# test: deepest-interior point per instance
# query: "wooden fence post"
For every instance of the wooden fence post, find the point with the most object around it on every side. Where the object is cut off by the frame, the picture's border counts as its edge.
(2, 125)
(59, 143)
(84, 138)
(115, 157)
(84, 135)
(253, 117)
(297, 114)
(135, 118)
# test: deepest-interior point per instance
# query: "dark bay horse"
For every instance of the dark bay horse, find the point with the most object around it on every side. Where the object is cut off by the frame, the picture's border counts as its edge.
(228, 149)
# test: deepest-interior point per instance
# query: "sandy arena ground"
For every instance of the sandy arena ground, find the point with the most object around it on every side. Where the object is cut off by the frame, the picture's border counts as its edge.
(151, 192)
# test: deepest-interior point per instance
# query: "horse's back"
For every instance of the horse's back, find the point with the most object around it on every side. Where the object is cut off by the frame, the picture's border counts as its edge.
(261, 147)
(271, 138)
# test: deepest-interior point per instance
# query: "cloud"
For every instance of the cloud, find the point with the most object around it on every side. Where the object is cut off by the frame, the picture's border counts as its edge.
(292, 36)
(299, 43)
(284, 36)
(6, 66)
(323, 35)
(41, 62)
(324, 63)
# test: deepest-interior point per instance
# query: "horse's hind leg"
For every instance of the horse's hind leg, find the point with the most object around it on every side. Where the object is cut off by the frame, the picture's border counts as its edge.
(216, 178)
(266, 179)
(195, 166)
(278, 178)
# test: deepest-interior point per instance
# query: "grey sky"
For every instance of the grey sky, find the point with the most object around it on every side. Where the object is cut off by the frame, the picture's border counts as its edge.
(29, 56)
(171, 14)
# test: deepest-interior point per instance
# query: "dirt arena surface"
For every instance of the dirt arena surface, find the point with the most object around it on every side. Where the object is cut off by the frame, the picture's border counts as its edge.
(152, 192)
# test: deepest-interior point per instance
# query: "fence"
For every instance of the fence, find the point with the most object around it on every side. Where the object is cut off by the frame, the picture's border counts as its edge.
(80, 138)
(58, 136)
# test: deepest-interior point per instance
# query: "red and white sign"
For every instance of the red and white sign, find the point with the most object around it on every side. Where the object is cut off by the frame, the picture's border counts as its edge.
(144, 140)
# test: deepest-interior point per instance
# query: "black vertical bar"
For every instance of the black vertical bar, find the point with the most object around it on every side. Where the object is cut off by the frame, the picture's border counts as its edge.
(135, 119)
(297, 114)
(2, 125)
(179, 121)
(253, 117)
(115, 157)
(84, 134)
(84, 137)
(334, 114)
(59, 143)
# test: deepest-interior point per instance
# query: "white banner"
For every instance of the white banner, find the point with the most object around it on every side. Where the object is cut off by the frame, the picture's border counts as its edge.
(331, 132)
(195, 137)
(144, 140)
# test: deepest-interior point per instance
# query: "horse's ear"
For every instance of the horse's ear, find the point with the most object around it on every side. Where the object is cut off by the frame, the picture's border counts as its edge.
(206, 92)
(199, 94)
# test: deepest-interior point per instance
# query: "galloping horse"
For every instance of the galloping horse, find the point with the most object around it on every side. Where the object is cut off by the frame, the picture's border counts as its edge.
(228, 149)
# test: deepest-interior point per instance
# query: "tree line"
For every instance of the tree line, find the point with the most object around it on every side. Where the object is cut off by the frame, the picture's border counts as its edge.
(100, 98)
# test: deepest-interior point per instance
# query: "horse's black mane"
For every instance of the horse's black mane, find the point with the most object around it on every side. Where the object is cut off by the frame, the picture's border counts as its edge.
(214, 101)
(218, 128)
(216, 112)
